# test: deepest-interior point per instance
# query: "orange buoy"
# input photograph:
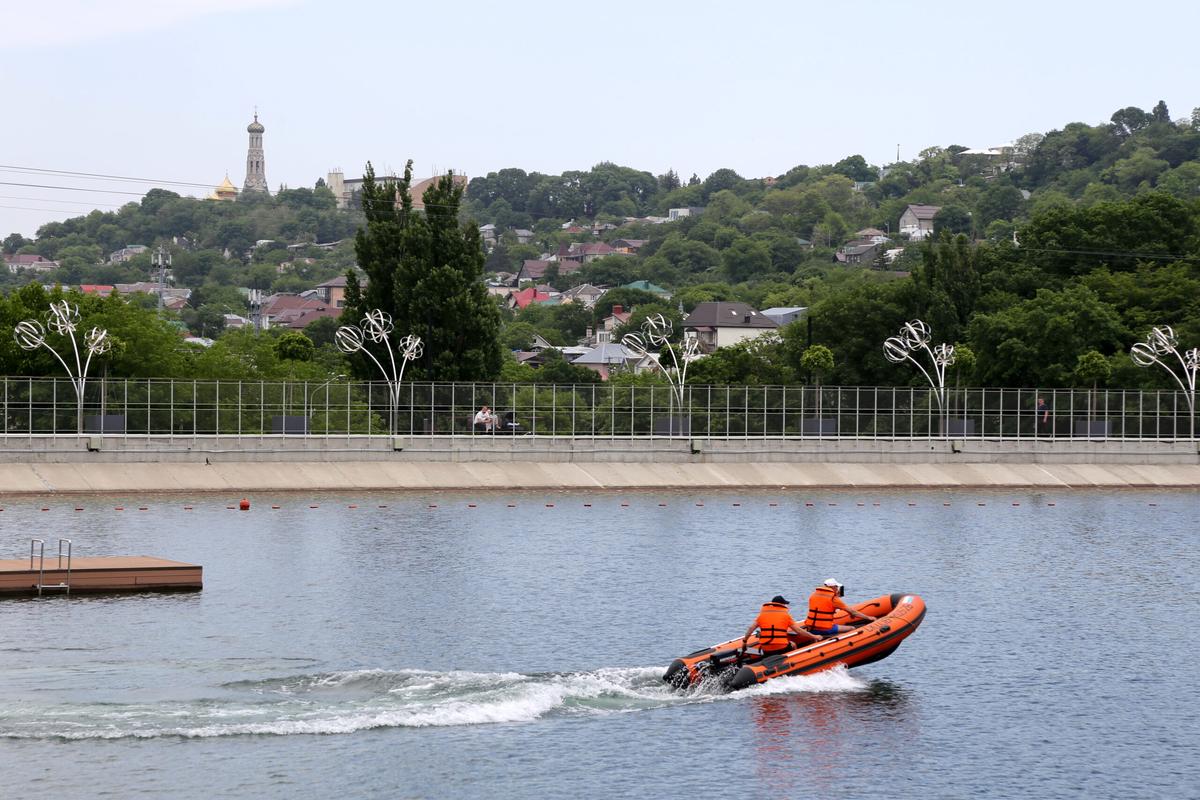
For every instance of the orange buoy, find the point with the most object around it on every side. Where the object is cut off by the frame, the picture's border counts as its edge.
(244, 505)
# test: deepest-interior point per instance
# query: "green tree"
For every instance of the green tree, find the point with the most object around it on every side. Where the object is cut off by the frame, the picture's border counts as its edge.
(952, 219)
(817, 362)
(746, 259)
(518, 336)
(1037, 342)
(425, 270)
(1091, 369)
(294, 346)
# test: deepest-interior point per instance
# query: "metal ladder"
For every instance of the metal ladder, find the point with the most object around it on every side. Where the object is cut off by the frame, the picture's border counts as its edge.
(39, 545)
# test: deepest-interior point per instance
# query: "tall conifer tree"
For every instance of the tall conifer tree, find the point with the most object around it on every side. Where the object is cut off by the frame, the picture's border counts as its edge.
(425, 269)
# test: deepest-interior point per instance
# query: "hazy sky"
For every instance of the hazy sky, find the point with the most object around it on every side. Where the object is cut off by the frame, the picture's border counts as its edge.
(163, 89)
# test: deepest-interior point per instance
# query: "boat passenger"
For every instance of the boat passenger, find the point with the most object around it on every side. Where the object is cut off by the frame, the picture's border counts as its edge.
(777, 631)
(823, 604)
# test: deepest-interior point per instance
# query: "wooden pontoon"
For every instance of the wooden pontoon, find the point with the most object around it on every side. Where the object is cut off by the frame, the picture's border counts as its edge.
(34, 576)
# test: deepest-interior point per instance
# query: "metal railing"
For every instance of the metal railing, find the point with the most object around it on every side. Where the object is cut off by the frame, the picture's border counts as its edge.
(133, 407)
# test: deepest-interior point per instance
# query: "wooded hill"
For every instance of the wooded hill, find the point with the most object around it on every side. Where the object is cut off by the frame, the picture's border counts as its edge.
(1060, 244)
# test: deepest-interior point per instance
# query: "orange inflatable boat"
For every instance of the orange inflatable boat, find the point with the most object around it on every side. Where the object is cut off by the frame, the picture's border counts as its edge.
(897, 616)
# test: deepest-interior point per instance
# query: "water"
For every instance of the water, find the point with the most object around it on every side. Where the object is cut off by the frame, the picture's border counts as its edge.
(497, 651)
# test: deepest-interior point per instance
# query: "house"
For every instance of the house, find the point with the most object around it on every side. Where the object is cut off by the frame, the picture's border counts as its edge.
(488, 233)
(30, 262)
(674, 214)
(630, 246)
(534, 269)
(584, 294)
(719, 324)
(333, 291)
(873, 235)
(523, 298)
(234, 321)
(609, 324)
(782, 315)
(584, 252)
(647, 286)
(174, 298)
(857, 252)
(917, 220)
(125, 254)
(608, 356)
(101, 289)
(295, 311)
(523, 236)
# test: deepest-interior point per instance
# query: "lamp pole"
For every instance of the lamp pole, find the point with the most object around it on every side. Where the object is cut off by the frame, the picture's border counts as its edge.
(309, 397)
(655, 332)
(376, 326)
(1161, 342)
(64, 320)
(915, 335)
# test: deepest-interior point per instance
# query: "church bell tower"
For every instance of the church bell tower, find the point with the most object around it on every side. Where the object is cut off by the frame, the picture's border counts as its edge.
(256, 169)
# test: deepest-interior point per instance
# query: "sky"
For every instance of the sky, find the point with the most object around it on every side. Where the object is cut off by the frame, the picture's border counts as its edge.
(162, 90)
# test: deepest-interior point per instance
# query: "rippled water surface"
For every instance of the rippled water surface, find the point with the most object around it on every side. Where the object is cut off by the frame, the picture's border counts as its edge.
(511, 646)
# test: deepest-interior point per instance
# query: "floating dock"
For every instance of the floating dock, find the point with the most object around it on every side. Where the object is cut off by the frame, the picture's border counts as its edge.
(27, 576)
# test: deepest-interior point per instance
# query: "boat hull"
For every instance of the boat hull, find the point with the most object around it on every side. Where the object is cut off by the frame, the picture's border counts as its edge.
(897, 616)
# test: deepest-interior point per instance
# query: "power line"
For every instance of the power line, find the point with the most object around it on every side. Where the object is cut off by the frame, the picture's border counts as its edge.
(98, 176)
(78, 203)
(71, 188)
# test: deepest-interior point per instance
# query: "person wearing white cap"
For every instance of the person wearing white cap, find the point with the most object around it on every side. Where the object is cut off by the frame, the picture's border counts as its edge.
(824, 603)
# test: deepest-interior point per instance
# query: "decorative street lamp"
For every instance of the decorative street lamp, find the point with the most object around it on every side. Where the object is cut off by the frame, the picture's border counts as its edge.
(655, 332)
(1163, 342)
(64, 320)
(915, 335)
(376, 326)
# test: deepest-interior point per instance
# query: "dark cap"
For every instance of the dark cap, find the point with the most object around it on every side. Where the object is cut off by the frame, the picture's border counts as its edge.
(779, 599)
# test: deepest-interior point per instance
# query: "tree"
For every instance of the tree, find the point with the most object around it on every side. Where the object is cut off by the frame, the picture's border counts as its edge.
(855, 168)
(668, 181)
(518, 336)
(751, 362)
(1037, 342)
(1129, 121)
(952, 219)
(1160, 113)
(322, 331)
(1092, 369)
(425, 271)
(14, 242)
(294, 346)
(746, 259)
(817, 362)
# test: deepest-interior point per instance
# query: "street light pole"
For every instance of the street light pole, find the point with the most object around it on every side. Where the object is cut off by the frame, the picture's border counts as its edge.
(308, 398)
(1163, 342)
(916, 334)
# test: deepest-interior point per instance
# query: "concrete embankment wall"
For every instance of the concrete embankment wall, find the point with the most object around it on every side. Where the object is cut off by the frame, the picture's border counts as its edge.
(40, 465)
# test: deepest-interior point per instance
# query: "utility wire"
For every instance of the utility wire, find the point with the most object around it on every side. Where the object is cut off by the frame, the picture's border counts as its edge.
(98, 176)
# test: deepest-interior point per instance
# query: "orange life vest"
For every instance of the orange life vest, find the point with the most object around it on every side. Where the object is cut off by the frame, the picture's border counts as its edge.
(821, 608)
(772, 623)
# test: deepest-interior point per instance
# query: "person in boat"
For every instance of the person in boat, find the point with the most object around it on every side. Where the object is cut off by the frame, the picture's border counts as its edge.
(823, 604)
(777, 631)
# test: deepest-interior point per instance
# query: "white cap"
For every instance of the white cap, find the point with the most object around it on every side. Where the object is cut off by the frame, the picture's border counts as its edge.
(833, 582)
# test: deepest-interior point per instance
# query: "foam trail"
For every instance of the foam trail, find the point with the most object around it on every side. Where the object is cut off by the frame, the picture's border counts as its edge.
(350, 701)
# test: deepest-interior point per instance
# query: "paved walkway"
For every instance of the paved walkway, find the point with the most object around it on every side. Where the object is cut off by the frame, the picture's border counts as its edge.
(239, 477)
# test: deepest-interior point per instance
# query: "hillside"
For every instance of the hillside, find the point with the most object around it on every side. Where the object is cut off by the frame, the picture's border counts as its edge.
(1075, 240)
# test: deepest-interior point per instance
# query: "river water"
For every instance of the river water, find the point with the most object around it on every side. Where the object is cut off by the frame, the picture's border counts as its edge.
(503, 646)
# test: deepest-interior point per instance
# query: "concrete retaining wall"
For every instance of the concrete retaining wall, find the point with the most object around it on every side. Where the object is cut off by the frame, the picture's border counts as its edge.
(40, 465)
(543, 449)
